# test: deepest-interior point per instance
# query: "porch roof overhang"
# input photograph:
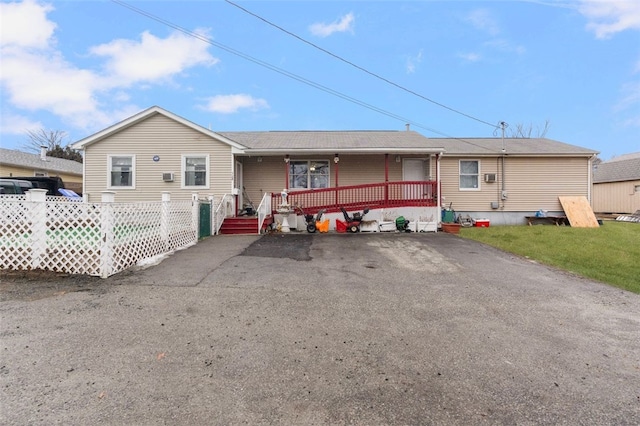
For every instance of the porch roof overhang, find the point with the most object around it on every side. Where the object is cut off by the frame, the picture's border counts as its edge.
(321, 151)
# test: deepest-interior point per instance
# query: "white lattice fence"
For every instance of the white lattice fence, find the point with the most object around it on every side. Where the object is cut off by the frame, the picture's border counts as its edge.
(98, 239)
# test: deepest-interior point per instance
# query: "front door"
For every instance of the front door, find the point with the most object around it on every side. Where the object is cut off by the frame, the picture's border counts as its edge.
(414, 169)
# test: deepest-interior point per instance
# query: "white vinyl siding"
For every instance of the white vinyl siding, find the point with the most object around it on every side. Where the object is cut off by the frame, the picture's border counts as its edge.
(531, 183)
(165, 140)
(616, 197)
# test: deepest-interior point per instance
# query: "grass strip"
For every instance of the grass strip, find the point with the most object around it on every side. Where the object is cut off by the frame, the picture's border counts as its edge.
(610, 253)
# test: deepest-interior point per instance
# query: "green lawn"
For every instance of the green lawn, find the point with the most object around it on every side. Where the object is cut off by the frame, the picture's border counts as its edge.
(610, 253)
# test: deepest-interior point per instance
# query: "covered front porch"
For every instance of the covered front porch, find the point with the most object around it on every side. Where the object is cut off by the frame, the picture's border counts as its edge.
(400, 182)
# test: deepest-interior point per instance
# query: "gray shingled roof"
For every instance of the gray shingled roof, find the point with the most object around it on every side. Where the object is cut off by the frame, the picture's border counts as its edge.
(618, 169)
(33, 161)
(354, 140)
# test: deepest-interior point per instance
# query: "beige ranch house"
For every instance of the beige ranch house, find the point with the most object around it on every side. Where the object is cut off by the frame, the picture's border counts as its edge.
(391, 172)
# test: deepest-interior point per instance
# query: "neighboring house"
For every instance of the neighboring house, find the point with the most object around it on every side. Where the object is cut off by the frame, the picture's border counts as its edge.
(616, 185)
(23, 164)
(156, 151)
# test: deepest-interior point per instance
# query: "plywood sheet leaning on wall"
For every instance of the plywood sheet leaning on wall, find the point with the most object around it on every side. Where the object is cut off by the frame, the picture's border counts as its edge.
(579, 212)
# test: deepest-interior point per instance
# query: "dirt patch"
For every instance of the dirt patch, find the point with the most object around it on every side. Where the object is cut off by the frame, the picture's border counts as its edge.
(39, 284)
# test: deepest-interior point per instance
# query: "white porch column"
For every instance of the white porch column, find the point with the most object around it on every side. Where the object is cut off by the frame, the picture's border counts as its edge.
(164, 219)
(37, 213)
(106, 230)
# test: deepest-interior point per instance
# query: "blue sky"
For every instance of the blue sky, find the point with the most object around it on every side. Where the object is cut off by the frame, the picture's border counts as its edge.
(80, 66)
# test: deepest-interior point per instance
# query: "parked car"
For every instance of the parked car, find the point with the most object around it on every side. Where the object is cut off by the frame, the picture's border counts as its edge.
(14, 186)
(51, 184)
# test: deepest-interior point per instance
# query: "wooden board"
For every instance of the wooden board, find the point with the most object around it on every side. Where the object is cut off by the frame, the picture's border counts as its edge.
(579, 212)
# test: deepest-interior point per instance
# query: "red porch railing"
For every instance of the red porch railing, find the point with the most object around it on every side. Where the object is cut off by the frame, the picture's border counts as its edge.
(356, 197)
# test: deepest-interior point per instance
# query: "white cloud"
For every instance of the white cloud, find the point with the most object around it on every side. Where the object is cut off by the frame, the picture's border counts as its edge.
(152, 58)
(229, 104)
(34, 81)
(25, 25)
(470, 57)
(607, 18)
(412, 61)
(343, 24)
(505, 46)
(17, 124)
(37, 77)
(481, 19)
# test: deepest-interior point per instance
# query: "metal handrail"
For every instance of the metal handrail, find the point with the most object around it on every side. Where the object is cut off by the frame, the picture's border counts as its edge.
(264, 209)
(221, 211)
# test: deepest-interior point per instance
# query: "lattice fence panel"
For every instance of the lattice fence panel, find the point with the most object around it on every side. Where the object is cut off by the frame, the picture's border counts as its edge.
(182, 231)
(135, 234)
(74, 239)
(95, 239)
(15, 234)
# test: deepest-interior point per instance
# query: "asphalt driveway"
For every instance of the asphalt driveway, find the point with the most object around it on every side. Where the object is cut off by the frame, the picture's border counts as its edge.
(322, 329)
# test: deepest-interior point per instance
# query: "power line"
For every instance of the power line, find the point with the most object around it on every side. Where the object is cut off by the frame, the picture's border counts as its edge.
(284, 72)
(359, 67)
(275, 68)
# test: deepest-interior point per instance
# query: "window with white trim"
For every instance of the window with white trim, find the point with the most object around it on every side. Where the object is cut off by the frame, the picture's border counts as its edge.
(308, 174)
(121, 171)
(469, 174)
(195, 171)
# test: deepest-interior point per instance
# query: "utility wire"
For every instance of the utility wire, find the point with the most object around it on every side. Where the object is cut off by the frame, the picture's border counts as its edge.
(359, 67)
(275, 68)
(284, 72)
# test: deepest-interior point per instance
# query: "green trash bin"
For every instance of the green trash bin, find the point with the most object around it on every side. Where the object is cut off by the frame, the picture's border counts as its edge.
(448, 216)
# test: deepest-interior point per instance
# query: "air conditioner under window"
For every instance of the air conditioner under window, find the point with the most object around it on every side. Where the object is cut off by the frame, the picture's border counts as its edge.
(167, 177)
(489, 177)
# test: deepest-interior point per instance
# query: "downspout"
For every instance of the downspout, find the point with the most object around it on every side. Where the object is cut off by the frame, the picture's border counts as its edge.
(590, 177)
(503, 194)
(438, 188)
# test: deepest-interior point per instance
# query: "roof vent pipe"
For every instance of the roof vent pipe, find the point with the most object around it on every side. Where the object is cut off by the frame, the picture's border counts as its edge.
(43, 152)
(408, 126)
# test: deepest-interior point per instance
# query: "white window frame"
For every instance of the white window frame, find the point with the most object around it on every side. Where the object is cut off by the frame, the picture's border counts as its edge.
(308, 187)
(110, 158)
(460, 174)
(183, 171)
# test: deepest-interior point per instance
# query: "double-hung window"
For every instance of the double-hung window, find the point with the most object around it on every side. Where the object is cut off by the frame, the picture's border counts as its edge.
(308, 174)
(469, 175)
(122, 171)
(195, 171)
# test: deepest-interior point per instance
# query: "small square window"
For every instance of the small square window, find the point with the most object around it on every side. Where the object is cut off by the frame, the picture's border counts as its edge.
(121, 171)
(195, 170)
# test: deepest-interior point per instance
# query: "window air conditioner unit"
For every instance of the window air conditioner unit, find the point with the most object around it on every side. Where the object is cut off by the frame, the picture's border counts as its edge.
(489, 177)
(167, 177)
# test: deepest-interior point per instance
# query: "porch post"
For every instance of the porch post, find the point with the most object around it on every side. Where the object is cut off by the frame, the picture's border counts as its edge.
(386, 178)
(286, 171)
(439, 201)
(336, 160)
